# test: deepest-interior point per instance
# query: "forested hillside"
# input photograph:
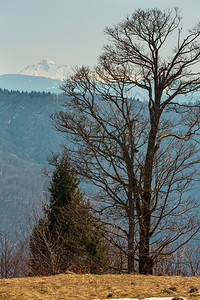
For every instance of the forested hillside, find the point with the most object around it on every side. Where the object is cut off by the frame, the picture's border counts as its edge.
(26, 138)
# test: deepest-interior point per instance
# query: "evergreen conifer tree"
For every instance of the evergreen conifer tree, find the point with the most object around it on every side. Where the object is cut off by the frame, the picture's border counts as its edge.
(68, 236)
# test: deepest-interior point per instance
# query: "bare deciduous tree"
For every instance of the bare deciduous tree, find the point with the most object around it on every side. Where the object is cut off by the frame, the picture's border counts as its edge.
(142, 156)
(13, 257)
(185, 262)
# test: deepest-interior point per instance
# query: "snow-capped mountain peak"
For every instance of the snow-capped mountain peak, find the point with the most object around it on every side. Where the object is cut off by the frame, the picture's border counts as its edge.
(47, 68)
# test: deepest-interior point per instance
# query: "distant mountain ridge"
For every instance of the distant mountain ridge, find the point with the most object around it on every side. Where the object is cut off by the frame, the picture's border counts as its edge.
(46, 76)
(47, 68)
(27, 83)
(42, 76)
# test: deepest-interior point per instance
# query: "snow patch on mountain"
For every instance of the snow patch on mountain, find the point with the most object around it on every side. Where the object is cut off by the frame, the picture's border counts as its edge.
(47, 68)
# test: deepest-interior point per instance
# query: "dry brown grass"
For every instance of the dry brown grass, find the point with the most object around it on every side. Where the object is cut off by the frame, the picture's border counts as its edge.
(73, 286)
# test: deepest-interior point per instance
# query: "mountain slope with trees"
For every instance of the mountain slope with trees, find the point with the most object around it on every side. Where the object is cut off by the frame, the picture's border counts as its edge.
(26, 138)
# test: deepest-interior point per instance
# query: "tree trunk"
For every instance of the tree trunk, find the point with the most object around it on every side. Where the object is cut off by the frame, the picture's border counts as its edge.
(131, 216)
(145, 262)
(131, 246)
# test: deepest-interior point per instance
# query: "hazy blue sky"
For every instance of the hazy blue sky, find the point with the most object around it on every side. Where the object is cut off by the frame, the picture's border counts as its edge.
(68, 32)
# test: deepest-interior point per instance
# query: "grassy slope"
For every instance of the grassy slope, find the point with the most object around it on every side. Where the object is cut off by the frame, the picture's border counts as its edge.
(71, 286)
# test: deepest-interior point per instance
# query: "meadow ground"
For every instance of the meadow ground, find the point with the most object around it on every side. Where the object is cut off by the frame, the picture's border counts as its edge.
(87, 287)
